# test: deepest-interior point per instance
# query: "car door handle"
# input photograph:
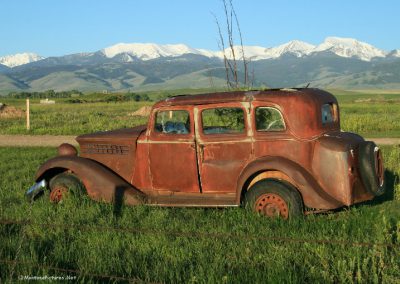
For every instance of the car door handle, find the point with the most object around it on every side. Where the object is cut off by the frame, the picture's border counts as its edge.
(201, 152)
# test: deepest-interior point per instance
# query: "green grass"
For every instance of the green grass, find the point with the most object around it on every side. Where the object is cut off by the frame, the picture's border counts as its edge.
(378, 117)
(177, 245)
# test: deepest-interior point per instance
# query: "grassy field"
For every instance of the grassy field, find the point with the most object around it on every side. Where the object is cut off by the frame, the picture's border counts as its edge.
(366, 113)
(94, 241)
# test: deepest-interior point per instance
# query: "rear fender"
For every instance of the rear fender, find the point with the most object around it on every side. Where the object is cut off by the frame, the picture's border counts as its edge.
(101, 183)
(312, 193)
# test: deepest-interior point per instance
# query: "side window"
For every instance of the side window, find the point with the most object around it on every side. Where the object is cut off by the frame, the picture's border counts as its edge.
(223, 121)
(269, 119)
(329, 113)
(172, 122)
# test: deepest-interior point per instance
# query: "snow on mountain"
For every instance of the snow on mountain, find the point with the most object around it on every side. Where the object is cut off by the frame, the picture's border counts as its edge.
(129, 52)
(147, 51)
(295, 47)
(349, 47)
(250, 52)
(395, 53)
(19, 59)
(344, 47)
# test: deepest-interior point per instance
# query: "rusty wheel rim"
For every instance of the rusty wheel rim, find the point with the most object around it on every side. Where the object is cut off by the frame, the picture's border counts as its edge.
(272, 205)
(57, 194)
(379, 166)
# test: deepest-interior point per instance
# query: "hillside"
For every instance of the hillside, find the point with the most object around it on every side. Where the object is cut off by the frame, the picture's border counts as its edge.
(335, 63)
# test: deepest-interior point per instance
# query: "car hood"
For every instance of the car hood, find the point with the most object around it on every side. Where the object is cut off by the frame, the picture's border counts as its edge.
(115, 149)
(113, 135)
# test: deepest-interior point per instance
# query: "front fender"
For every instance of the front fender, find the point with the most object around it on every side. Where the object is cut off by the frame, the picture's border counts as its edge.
(101, 183)
(312, 193)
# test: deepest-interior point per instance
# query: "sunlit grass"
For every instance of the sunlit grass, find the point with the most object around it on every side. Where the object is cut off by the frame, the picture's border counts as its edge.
(181, 245)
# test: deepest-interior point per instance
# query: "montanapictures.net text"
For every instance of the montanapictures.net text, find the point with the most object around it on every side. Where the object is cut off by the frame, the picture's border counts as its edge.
(49, 278)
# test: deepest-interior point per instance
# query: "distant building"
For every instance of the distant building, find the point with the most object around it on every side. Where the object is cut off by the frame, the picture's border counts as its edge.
(47, 102)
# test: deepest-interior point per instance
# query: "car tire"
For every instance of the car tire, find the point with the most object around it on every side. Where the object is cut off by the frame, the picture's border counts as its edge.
(274, 198)
(63, 185)
(370, 162)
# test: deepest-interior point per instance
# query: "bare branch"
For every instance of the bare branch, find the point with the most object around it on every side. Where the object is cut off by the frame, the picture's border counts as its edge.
(222, 47)
(246, 74)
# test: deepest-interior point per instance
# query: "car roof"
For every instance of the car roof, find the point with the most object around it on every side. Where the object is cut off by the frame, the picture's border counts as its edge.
(243, 96)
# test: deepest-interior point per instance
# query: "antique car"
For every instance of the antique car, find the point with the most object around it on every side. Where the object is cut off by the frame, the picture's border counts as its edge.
(279, 152)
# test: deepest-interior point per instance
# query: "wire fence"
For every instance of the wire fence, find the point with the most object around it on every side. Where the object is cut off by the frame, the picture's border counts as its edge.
(116, 278)
(27, 222)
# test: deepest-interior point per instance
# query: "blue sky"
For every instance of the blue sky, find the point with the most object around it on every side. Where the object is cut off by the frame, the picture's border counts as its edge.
(53, 28)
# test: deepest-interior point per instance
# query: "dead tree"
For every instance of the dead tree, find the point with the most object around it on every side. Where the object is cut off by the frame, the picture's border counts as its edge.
(230, 60)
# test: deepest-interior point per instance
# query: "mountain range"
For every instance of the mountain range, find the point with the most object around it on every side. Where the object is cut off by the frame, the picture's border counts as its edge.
(335, 63)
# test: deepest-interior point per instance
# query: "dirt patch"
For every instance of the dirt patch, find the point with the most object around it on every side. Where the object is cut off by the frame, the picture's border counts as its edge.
(36, 140)
(10, 111)
(54, 141)
(378, 100)
(143, 111)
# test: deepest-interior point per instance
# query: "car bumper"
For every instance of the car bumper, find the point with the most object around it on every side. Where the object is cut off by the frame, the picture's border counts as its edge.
(36, 189)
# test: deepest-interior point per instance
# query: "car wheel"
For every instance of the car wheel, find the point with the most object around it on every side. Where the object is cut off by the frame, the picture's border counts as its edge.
(273, 198)
(371, 167)
(62, 185)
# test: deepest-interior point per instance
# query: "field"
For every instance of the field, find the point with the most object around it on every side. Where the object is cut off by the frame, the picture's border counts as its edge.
(366, 113)
(98, 242)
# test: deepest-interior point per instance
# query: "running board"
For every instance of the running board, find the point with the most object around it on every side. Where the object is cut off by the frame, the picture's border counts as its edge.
(177, 199)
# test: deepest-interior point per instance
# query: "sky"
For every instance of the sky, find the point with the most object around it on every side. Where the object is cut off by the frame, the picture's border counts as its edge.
(60, 27)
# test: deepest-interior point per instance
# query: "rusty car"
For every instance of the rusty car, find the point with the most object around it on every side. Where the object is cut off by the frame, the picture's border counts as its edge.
(279, 152)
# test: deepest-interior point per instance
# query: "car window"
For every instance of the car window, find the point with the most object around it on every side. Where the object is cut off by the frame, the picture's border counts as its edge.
(172, 122)
(223, 120)
(329, 113)
(269, 119)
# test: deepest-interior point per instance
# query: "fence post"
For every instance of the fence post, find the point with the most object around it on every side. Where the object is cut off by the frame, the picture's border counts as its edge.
(28, 122)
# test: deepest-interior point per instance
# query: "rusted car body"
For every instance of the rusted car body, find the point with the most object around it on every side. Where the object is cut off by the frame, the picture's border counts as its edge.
(221, 146)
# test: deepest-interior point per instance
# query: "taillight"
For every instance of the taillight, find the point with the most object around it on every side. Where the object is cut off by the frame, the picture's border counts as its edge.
(379, 170)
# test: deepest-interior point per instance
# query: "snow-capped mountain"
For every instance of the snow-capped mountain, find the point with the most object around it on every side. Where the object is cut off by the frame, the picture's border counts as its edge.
(132, 52)
(349, 47)
(343, 47)
(395, 53)
(19, 59)
(335, 63)
(147, 51)
(295, 47)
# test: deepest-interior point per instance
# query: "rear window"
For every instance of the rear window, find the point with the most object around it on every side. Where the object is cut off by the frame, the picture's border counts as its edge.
(269, 119)
(329, 113)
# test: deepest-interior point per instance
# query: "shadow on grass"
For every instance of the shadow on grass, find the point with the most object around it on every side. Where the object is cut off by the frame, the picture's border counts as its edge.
(118, 201)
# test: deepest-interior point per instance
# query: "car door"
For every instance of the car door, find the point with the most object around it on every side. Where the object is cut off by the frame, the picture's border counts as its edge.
(224, 145)
(172, 151)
